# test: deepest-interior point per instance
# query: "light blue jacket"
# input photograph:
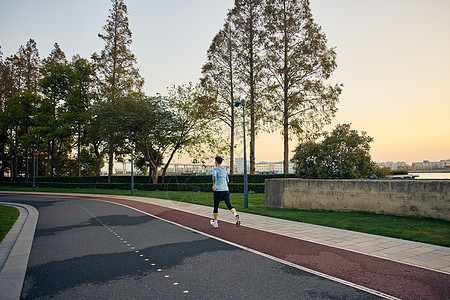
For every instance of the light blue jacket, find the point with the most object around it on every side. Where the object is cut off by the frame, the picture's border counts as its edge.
(220, 177)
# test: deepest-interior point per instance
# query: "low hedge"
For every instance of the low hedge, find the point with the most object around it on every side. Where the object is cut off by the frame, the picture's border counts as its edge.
(146, 179)
(191, 187)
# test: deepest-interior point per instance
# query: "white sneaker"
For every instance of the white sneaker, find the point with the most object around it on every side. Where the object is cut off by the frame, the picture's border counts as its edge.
(213, 223)
(238, 221)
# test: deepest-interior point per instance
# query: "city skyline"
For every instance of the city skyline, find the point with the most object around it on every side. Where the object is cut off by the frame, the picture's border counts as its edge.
(393, 59)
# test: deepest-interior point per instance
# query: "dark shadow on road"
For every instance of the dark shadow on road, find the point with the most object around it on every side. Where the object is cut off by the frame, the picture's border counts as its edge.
(55, 277)
(112, 220)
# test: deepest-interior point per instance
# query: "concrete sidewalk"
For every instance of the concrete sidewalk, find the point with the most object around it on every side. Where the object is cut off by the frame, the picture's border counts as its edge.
(15, 250)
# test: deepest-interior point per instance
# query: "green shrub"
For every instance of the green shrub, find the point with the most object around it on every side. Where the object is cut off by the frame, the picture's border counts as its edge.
(399, 172)
(187, 187)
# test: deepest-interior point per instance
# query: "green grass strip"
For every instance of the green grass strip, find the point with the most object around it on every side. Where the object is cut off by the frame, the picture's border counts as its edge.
(8, 216)
(425, 230)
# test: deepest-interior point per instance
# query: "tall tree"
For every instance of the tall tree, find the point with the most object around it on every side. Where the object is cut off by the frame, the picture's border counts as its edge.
(152, 125)
(115, 65)
(246, 17)
(18, 118)
(108, 127)
(298, 62)
(51, 127)
(79, 100)
(19, 74)
(6, 81)
(219, 78)
(94, 135)
(6, 92)
(31, 61)
(24, 68)
(190, 129)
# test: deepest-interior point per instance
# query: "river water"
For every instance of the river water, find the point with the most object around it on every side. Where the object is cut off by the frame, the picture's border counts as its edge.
(431, 175)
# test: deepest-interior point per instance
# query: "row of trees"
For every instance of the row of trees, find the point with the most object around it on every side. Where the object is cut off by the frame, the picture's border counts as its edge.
(273, 53)
(73, 114)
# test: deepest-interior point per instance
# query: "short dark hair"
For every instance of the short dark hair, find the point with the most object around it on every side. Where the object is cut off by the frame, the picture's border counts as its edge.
(219, 160)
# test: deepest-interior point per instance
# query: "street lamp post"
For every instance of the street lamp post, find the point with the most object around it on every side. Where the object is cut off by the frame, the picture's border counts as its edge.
(130, 134)
(34, 166)
(242, 103)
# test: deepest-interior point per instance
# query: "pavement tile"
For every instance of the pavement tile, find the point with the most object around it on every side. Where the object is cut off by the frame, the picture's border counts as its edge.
(389, 244)
(344, 244)
(368, 249)
(400, 248)
(366, 244)
(445, 257)
(399, 256)
(420, 250)
(430, 257)
(436, 264)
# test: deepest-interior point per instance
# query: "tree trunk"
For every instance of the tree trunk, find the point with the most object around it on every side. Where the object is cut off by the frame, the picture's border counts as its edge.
(79, 154)
(111, 165)
(286, 138)
(27, 162)
(252, 109)
(36, 163)
(163, 175)
(232, 143)
(153, 165)
(52, 159)
(16, 162)
(150, 174)
(47, 166)
(285, 102)
(11, 162)
(232, 120)
(154, 174)
(99, 160)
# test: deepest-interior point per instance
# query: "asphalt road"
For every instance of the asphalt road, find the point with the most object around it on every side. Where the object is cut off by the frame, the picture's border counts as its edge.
(88, 249)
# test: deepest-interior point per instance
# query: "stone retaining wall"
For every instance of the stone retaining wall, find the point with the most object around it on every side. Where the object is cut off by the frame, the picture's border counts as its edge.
(417, 198)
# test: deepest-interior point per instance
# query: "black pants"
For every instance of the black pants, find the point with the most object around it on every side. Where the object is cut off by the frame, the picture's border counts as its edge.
(221, 196)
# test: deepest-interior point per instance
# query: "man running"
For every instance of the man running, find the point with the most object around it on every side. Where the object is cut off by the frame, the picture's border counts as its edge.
(221, 192)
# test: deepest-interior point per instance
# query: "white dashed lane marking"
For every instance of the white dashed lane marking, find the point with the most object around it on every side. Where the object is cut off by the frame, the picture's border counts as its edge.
(129, 244)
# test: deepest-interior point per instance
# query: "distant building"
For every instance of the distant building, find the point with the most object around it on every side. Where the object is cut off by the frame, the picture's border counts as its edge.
(392, 165)
(262, 167)
(239, 165)
(430, 165)
(179, 168)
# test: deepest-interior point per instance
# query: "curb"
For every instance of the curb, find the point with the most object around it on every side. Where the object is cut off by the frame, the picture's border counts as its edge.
(15, 250)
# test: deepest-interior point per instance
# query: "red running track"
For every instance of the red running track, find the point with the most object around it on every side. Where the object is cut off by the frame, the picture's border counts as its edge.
(389, 277)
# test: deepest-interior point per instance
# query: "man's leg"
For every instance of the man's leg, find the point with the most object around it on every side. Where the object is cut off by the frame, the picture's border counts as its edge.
(214, 222)
(232, 209)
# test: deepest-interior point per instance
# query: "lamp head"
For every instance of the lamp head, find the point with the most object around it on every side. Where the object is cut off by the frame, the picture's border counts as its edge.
(237, 103)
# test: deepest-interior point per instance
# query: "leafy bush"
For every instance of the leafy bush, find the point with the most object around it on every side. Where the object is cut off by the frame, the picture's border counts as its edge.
(399, 172)
(342, 154)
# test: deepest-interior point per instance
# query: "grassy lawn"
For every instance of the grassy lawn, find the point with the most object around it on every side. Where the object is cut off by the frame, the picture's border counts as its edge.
(424, 230)
(8, 215)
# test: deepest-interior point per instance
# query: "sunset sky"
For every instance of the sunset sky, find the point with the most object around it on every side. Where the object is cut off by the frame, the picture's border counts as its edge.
(393, 58)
